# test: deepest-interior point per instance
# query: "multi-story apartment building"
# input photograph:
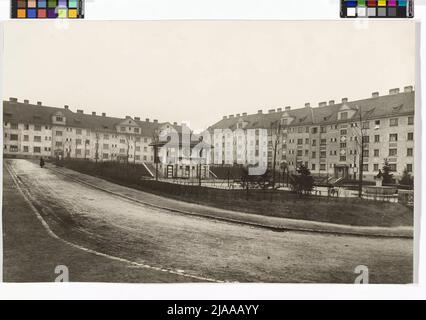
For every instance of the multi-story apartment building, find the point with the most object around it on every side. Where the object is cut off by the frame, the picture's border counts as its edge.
(327, 139)
(40, 131)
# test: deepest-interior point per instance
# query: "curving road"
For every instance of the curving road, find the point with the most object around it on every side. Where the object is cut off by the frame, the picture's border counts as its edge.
(198, 248)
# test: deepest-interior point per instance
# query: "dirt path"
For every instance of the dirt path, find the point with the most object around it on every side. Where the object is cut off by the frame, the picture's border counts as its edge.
(197, 247)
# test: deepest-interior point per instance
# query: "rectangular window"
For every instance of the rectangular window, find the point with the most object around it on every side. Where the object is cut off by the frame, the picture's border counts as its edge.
(314, 142)
(105, 155)
(322, 167)
(365, 167)
(314, 154)
(393, 137)
(314, 130)
(410, 136)
(27, 127)
(138, 149)
(58, 143)
(376, 167)
(26, 138)
(13, 148)
(59, 133)
(323, 142)
(299, 153)
(306, 141)
(26, 149)
(78, 131)
(37, 150)
(377, 138)
(366, 139)
(376, 152)
(122, 141)
(105, 146)
(343, 115)
(37, 127)
(410, 120)
(343, 145)
(14, 126)
(342, 158)
(366, 153)
(37, 138)
(409, 167)
(343, 132)
(78, 141)
(393, 122)
(393, 152)
(59, 119)
(299, 141)
(409, 152)
(392, 167)
(78, 152)
(366, 125)
(13, 137)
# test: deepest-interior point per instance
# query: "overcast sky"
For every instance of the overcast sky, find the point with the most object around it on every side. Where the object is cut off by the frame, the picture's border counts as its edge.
(199, 71)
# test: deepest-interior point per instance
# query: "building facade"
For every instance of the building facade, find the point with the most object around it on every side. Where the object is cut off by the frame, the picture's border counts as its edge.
(33, 131)
(327, 139)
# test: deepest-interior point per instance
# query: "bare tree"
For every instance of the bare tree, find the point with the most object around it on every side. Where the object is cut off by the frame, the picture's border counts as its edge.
(360, 128)
(276, 130)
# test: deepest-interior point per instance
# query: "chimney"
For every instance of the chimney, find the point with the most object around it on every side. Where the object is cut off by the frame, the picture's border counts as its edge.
(155, 121)
(13, 99)
(39, 103)
(147, 120)
(307, 105)
(103, 114)
(66, 107)
(93, 113)
(80, 111)
(26, 101)
(288, 108)
(394, 91)
(272, 111)
(408, 89)
(259, 111)
(279, 109)
(322, 104)
(128, 117)
(225, 117)
(374, 94)
(137, 119)
(231, 116)
(244, 114)
(331, 102)
(175, 123)
(344, 100)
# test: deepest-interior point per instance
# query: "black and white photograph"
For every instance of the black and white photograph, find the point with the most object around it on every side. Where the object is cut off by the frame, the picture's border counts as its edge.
(209, 152)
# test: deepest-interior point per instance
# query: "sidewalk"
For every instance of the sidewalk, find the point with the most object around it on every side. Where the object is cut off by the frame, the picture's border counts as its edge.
(272, 223)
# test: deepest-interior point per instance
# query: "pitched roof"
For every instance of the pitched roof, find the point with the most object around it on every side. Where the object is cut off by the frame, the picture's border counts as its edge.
(372, 108)
(42, 115)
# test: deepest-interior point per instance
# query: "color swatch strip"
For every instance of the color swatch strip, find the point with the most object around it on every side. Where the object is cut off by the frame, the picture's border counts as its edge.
(377, 9)
(47, 9)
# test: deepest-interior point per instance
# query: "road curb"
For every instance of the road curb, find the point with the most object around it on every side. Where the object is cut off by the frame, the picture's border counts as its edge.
(383, 233)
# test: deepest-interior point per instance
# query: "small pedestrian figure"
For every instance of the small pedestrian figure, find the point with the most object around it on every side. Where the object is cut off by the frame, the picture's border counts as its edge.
(41, 162)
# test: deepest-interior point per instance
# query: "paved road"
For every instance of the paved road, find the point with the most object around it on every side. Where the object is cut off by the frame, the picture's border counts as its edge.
(200, 248)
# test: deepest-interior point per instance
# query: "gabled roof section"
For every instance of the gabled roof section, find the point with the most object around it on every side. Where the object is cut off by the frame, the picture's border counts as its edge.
(371, 108)
(17, 112)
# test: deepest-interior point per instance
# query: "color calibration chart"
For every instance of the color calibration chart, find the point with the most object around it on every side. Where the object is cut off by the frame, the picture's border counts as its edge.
(47, 9)
(377, 9)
